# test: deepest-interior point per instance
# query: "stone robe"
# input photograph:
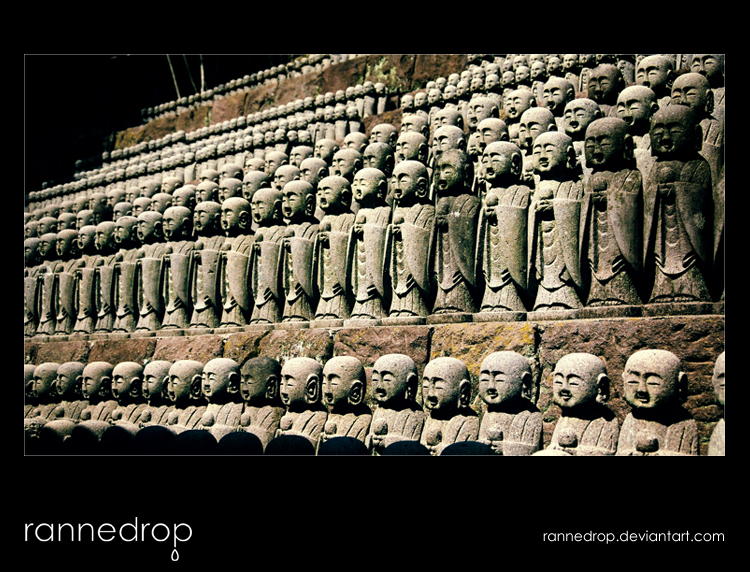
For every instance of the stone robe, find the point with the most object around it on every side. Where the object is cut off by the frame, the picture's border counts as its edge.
(330, 268)
(366, 258)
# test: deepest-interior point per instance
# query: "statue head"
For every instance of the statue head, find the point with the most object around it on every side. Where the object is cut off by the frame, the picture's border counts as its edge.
(48, 246)
(86, 239)
(299, 153)
(694, 91)
(206, 191)
(150, 227)
(356, 140)
(534, 122)
(454, 172)
(170, 184)
(516, 102)
(283, 175)
(298, 201)
(503, 377)
(407, 103)
(149, 187)
(557, 93)
(415, 123)
(67, 244)
(99, 205)
(266, 207)
(178, 223)
(253, 181)
(235, 216)
(230, 171)
(46, 224)
(105, 237)
(448, 137)
(121, 209)
(312, 170)
(369, 187)
(254, 164)
(155, 380)
(68, 381)
(411, 182)
(412, 146)
(211, 175)
(523, 76)
(480, 108)
(346, 162)
(446, 386)
(228, 187)
(141, 204)
(577, 116)
(274, 160)
(259, 379)
(711, 66)
(718, 379)
(126, 232)
(379, 156)
(608, 145)
(502, 160)
(221, 380)
(395, 380)
(325, 149)
(655, 72)
(553, 155)
(344, 382)
(653, 379)
(675, 133)
(97, 380)
(334, 195)
(384, 133)
(42, 385)
(160, 202)
(301, 381)
(579, 381)
(448, 116)
(84, 217)
(184, 384)
(605, 83)
(207, 218)
(127, 379)
(636, 105)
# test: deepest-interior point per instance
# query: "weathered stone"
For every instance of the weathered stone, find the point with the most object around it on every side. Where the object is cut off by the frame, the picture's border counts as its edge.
(198, 348)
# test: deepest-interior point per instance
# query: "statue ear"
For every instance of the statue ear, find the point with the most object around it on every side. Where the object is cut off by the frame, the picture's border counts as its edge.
(272, 387)
(158, 230)
(464, 393)
(78, 385)
(244, 220)
(424, 152)
(195, 387)
(322, 173)
(527, 386)
(629, 147)
(106, 386)
(233, 387)
(412, 386)
(356, 393)
(310, 204)
(709, 102)
(277, 214)
(422, 187)
(346, 196)
(516, 165)
(572, 157)
(312, 389)
(165, 388)
(135, 387)
(603, 387)
(682, 387)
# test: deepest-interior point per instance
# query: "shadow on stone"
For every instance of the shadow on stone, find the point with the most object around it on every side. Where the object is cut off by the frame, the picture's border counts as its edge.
(342, 446)
(467, 448)
(155, 440)
(117, 441)
(195, 442)
(406, 448)
(290, 445)
(240, 443)
(82, 441)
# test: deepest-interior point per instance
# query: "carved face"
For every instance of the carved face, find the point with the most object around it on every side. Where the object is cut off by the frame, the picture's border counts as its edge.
(604, 84)
(337, 382)
(92, 383)
(176, 224)
(345, 164)
(330, 195)
(574, 382)
(549, 154)
(691, 90)
(523, 76)
(146, 229)
(365, 187)
(670, 135)
(496, 163)
(263, 207)
(407, 148)
(293, 202)
(718, 379)
(445, 139)
(105, 238)
(653, 72)
(649, 381)
(153, 384)
(122, 381)
(217, 376)
(570, 62)
(534, 122)
(230, 217)
(577, 117)
(44, 377)
(440, 386)
(64, 383)
(604, 144)
(635, 106)
(256, 380)
(709, 65)
(479, 108)
(204, 219)
(555, 96)
(292, 387)
(516, 102)
(406, 184)
(501, 378)
(389, 379)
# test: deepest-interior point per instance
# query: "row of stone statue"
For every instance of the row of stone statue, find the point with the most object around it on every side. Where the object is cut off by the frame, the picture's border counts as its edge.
(319, 403)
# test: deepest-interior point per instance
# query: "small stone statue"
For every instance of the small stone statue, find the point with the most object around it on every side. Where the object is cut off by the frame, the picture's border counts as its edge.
(577, 116)
(334, 197)
(127, 382)
(105, 276)
(516, 102)
(298, 206)
(65, 287)
(367, 240)
(96, 388)
(44, 398)
(185, 393)
(511, 425)
(205, 270)
(154, 391)
(265, 257)
(612, 216)
(605, 83)
(300, 390)
(456, 222)
(503, 232)
(221, 388)
(446, 394)
(716, 444)
(636, 105)
(149, 272)
(554, 217)
(408, 242)
(398, 416)
(85, 277)
(178, 229)
(124, 298)
(344, 388)
(234, 262)
(657, 73)
(581, 389)
(655, 388)
(259, 387)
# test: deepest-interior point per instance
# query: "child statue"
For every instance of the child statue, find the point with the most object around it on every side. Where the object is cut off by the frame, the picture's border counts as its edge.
(178, 230)
(300, 390)
(205, 265)
(149, 272)
(344, 388)
(265, 256)
(234, 263)
(184, 391)
(259, 387)
(154, 391)
(221, 389)
(716, 444)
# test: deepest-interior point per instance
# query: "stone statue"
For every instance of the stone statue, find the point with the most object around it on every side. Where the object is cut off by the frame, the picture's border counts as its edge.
(149, 272)
(154, 391)
(408, 242)
(384, 133)
(612, 211)
(398, 416)
(105, 276)
(554, 223)
(221, 388)
(96, 389)
(325, 149)
(511, 424)
(366, 276)
(85, 278)
(503, 232)
(534, 122)
(185, 393)
(300, 390)
(581, 388)
(556, 94)
(67, 387)
(345, 163)
(716, 444)
(657, 73)
(298, 206)
(412, 146)
(577, 116)
(265, 257)
(678, 210)
(344, 388)
(334, 197)
(446, 394)
(178, 229)
(605, 83)
(65, 283)
(234, 263)
(127, 382)
(205, 270)
(516, 102)
(479, 109)
(636, 105)
(655, 388)
(44, 398)
(456, 222)
(259, 387)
